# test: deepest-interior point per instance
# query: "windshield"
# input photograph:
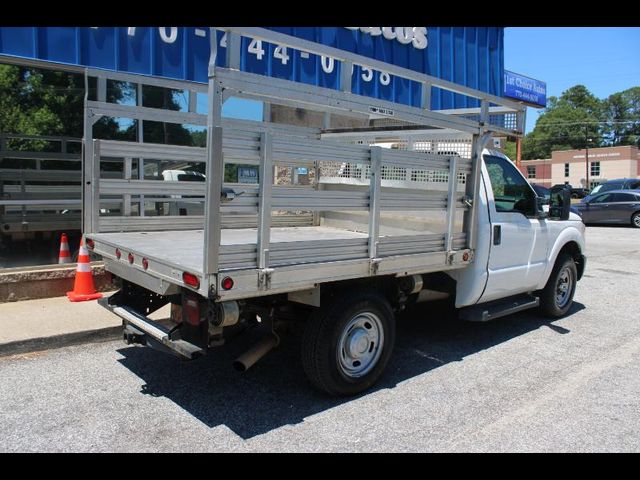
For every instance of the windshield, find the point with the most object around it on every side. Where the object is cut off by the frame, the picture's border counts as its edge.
(605, 187)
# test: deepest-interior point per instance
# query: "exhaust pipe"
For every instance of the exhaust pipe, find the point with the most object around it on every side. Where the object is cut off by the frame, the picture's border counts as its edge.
(245, 361)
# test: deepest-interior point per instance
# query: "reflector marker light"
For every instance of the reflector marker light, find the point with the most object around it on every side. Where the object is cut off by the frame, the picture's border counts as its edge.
(227, 283)
(191, 280)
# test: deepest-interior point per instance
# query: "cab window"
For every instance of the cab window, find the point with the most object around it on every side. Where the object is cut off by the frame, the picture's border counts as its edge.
(624, 197)
(607, 197)
(511, 192)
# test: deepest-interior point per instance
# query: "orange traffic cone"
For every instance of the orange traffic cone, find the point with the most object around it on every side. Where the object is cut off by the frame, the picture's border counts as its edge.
(83, 288)
(65, 255)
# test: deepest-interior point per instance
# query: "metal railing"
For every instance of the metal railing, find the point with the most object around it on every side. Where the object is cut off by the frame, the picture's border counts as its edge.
(33, 193)
(268, 146)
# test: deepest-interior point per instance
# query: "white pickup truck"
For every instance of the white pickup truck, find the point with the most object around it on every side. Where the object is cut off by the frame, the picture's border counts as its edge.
(433, 215)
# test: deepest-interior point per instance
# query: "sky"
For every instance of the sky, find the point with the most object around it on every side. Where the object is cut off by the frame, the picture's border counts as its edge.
(604, 59)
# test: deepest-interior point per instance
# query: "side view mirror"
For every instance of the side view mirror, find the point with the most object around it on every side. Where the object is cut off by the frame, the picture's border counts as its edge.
(540, 203)
(559, 203)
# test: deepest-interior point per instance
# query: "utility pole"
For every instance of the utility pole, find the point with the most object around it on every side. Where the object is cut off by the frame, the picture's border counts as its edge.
(586, 143)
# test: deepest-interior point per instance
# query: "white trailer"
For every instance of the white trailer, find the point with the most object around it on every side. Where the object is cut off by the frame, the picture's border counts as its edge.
(392, 215)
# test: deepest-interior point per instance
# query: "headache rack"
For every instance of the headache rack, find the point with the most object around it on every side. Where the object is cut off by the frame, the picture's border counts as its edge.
(394, 196)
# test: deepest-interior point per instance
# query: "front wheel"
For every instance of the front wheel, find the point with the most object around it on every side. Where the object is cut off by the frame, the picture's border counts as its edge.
(557, 296)
(635, 220)
(348, 342)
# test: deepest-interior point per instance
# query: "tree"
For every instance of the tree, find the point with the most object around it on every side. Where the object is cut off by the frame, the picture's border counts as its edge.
(34, 102)
(47, 102)
(622, 110)
(510, 150)
(578, 118)
(562, 125)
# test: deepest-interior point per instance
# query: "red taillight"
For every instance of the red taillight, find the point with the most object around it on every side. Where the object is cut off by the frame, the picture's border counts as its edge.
(145, 263)
(227, 283)
(191, 280)
(118, 253)
(90, 243)
(130, 257)
(191, 309)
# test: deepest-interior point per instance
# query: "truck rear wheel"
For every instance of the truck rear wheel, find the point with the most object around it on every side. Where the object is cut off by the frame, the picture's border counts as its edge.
(557, 296)
(348, 342)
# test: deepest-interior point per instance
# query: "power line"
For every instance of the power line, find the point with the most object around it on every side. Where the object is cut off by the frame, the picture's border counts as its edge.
(590, 122)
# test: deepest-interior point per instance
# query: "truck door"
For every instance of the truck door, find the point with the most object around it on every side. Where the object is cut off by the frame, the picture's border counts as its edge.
(519, 241)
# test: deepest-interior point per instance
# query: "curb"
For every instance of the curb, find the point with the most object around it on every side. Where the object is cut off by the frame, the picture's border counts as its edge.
(32, 283)
(60, 341)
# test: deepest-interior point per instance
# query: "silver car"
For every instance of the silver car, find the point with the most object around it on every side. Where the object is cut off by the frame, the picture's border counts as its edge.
(612, 207)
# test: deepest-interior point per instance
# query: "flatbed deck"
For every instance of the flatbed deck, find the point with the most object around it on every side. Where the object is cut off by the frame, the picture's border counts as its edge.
(299, 256)
(184, 249)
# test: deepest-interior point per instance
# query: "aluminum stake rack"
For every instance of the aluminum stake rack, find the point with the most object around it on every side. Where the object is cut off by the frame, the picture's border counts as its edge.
(377, 202)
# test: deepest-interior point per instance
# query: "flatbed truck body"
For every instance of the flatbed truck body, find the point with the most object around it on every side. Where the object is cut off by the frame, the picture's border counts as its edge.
(393, 215)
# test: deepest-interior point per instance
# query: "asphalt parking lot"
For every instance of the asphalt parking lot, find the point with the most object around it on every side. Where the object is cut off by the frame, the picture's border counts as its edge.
(520, 383)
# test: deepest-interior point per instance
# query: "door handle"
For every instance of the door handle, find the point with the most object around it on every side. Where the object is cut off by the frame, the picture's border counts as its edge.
(497, 234)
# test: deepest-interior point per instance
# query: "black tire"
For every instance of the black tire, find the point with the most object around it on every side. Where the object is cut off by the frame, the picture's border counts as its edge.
(324, 359)
(557, 296)
(635, 220)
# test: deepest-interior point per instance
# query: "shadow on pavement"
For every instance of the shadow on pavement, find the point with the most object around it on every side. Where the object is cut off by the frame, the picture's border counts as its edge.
(275, 392)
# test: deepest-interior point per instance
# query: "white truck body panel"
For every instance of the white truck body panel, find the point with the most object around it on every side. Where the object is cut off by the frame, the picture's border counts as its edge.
(523, 260)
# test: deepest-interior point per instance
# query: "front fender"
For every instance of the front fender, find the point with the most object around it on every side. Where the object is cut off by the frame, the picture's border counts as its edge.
(572, 233)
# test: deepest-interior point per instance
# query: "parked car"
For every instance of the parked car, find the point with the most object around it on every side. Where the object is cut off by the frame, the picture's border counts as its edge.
(615, 206)
(541, 191)
(579, 192)
(617, 184)
(575, 192)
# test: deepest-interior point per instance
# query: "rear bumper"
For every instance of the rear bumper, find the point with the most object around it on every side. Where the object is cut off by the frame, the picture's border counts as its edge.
(140, 329)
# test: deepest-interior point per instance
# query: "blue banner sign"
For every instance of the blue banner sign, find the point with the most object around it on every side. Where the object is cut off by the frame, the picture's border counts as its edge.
(470, 56)
(525, 89)
(247, 175)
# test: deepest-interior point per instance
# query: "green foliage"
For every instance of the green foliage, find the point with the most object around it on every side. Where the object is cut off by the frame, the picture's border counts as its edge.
(45, 102)
(510, 150)
(623, 107)
(40, 102)
(577, 119)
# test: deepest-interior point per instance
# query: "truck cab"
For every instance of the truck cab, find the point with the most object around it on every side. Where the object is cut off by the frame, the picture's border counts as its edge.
(185, 207)
(519, 244)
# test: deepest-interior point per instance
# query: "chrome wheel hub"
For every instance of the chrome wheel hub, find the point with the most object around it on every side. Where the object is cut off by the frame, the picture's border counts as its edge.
(563, 287)
(360, 345)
